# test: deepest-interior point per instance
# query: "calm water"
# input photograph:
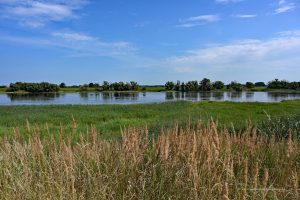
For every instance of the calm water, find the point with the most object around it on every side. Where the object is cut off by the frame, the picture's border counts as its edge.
(142, 97)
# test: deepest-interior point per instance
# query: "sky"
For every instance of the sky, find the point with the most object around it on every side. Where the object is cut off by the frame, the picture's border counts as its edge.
(82, 41)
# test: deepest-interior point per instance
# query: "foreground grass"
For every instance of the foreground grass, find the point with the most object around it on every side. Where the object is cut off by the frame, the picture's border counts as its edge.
(109, 118)
(192, 162)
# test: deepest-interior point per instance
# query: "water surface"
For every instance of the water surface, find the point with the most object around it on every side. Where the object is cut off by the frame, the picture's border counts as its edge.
(142, 97)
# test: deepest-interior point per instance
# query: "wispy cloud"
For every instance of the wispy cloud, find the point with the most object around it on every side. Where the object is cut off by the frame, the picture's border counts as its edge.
(71, 36)
(198, 21)
(76, 44)
(241, 55)
(284, 6)
(36, 13)
(245, 16)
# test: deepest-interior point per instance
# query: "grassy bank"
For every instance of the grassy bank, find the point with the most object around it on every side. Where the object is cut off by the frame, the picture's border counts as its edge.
(188, 163)
(109, 118)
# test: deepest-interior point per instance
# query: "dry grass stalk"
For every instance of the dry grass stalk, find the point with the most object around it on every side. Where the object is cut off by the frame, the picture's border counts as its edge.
(295, 181)
(225, 192)
(245, 179)
(255, 177)
(265, 183)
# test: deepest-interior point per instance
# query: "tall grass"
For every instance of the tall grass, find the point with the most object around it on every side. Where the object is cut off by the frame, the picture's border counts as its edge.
(192, 162)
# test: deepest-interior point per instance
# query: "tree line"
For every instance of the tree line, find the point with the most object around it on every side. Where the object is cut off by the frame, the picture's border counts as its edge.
(203, 85)
(207, 85)
(106, 86)
(33, 87)
(283, 84)
(49, 87)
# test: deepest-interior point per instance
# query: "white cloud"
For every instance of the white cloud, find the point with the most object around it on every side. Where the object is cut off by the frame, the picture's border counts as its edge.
(198, 21)
(36, 13)
(206, 18)
(284, 6)
(281, 2)
(278, 52)
(76, 44)
(245, 16)
(69, 36)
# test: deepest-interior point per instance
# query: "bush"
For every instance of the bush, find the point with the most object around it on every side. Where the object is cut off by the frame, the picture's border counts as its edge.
(235, 86)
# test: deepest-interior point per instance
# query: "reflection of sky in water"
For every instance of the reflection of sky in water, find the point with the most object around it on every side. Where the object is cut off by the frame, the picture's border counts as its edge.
(142, 97)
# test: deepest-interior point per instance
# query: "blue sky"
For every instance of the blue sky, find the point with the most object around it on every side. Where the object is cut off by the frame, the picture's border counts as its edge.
(81, 41)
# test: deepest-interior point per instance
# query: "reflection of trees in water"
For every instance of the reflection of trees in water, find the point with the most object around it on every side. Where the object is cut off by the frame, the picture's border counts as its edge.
(84, 95)
(283, 95)
(191, 96)
(234, 95)
(106, 96)
(169, 95)
(126, 95)
(34, 97)
(205, 95)
(120, 95)
(249, 95)
(178, 95)
(218, 95)
(90, 95)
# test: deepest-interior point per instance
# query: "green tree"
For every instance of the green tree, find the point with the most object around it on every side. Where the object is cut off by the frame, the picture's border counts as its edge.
(62, 85)
(91, 85)
(205, 85)
(192, 86)
(169, 85)
(218, 85)
(182, 87)
(235, 86)
(250, 85)
(177, 86)
(134, 85)
(105, 86)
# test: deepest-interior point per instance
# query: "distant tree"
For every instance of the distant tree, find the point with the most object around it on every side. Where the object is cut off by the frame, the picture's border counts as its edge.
(105, 86)
(169, 85)
(134, 85)
(127, 86)
(205, 85)
(62, 85)
(218, 85)
(260, 84)
(250, 85)
(83, 88)
(276, 84)
(177, 86)
(182, 87)
(192, 86)
(294, 85)
(91, 85)
(235, 86)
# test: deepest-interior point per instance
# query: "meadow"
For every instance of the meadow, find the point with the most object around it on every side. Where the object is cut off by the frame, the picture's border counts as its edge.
(108, 119)
(176, 150)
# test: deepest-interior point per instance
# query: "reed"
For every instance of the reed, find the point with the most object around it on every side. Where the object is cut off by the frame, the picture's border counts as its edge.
(191, 162)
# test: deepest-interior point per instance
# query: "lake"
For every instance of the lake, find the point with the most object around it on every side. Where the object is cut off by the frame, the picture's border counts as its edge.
(142, 97)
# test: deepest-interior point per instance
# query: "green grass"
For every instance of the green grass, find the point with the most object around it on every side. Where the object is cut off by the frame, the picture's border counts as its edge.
(109, 118)
(2, 90)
